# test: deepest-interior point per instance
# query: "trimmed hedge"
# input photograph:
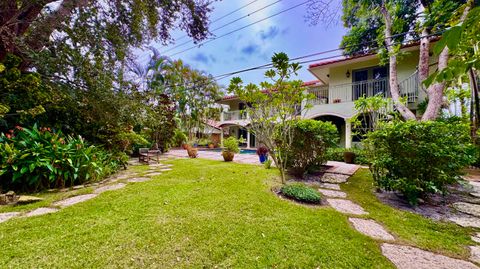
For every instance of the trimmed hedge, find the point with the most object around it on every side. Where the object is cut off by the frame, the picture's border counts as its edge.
(302, 193)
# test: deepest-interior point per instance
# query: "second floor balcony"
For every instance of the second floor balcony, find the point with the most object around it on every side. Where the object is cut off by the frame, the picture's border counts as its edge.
(342, 93)
(234, 115)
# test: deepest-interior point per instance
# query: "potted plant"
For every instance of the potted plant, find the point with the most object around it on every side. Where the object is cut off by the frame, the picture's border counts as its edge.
(192, 151)
(262, 153)
(349, 157)
(230, 148)
(211, 144)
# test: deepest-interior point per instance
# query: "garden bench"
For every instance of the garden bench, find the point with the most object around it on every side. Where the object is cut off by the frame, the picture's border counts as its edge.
(145, 155)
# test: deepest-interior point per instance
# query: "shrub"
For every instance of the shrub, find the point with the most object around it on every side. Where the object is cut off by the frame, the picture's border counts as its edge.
(419, 158)
(179, 138)
(311, 140)
(231, 144)
(36, 159)
(268, 164)
(302, 193)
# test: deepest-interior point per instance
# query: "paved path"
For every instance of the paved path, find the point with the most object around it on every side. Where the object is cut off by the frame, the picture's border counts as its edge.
(403, 257)
(110, 184)
(339, 171)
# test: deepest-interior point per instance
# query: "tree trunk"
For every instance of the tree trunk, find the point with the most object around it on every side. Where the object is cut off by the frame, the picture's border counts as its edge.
(393, 79)
(475, 110)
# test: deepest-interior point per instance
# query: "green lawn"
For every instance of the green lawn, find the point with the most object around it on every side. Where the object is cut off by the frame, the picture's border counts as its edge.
(409, 228)
(201, 214)
(205, 214)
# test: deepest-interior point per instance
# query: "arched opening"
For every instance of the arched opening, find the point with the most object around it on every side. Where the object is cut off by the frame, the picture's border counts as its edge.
(339, 122)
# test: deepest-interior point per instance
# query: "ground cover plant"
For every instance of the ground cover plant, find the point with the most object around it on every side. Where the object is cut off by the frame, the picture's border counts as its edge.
(301, 193)
(201, 214)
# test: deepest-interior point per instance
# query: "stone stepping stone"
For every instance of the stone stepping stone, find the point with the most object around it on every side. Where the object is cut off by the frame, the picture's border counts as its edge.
(475, 254)
(466, 221)
(74, 200)
(153, 174)
(467, 208)
(109, 188)
(6, 216)
(332, 193)
(371, 228)
(405, 257)
(139, 179)
(346, 207)
(334, 178)
(41, 211)
(330, 186)
(476, 237)
(166, 169)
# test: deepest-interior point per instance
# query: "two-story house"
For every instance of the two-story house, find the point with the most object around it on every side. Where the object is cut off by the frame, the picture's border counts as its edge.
(339, 83)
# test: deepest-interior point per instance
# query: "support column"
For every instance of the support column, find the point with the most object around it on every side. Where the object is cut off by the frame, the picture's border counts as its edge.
(348, 134)
(221, 136)
(248, 139)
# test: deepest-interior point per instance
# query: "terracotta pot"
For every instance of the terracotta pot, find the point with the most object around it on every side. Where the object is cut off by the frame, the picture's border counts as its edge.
(211, 146)
(349, 157)
(192, 152)
(184, 146)
(228, 156)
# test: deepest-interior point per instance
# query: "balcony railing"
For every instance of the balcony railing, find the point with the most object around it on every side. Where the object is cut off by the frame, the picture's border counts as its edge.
(235, 115)
(350, 92)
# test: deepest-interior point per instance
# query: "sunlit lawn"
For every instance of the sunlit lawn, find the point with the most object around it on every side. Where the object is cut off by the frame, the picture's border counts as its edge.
(205, 214)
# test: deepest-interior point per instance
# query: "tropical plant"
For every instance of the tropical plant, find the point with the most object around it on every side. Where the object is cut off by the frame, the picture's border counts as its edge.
(179, 138)
(419, 158)
(301, 193)
(311, 141)
(231, 145)
(35, 159)
(273, 106)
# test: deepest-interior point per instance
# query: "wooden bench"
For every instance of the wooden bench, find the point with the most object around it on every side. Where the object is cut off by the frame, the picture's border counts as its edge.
(146, 154)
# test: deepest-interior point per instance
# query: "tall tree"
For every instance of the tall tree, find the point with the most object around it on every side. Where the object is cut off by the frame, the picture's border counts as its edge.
(29, 25)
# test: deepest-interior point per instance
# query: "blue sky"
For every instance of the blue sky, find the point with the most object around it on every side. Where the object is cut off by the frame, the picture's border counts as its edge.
(288, 32)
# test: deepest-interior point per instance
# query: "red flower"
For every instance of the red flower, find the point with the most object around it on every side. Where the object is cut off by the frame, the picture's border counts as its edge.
(18, 127)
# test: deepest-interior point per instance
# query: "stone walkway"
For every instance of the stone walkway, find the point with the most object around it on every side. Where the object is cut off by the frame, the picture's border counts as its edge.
(110, 184)
(403, 257)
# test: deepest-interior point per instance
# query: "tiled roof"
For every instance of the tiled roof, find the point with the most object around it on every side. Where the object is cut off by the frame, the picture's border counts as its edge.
(343, 59)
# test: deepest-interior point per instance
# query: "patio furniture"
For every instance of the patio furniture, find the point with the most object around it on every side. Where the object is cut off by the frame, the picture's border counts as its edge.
(146, 154)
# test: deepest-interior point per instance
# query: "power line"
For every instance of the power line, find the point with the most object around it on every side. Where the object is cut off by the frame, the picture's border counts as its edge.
(223, 76)
(225, 25)
(241, 28)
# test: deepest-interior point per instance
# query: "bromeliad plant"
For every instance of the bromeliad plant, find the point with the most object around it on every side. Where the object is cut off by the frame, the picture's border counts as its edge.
(35, 159)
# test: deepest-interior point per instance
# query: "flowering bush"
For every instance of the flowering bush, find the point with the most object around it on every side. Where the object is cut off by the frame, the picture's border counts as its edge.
(262, 150)
(34, 159)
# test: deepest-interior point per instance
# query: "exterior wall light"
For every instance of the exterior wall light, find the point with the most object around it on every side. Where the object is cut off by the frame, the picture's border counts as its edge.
(347, 74)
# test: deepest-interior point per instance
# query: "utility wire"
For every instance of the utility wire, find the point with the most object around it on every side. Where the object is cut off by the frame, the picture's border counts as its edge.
(264, 66)
(241, 28)
(225, 25)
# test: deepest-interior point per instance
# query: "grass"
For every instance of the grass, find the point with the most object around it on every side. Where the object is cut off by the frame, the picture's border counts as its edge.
(409, 228)
(48, 199)
(203, 214)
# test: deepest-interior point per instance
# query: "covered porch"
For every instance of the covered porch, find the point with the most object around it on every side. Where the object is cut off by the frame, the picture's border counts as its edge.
(240, 131)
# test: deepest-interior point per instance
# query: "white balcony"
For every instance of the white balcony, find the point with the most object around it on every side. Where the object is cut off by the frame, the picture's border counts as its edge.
(343, 93)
